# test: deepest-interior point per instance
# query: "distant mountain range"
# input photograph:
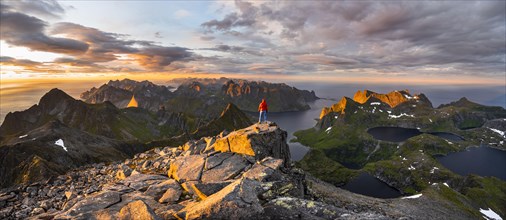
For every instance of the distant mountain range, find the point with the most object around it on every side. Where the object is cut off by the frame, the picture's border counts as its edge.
(205, 98)
(92, 133)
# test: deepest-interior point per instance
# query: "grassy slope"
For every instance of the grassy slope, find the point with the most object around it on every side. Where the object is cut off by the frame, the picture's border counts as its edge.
(348, 142)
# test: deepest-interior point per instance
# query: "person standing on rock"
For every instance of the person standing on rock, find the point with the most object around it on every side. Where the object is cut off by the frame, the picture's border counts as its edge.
(262, 108)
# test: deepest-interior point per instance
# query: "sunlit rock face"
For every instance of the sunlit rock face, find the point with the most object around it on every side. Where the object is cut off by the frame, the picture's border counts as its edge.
(133, 103)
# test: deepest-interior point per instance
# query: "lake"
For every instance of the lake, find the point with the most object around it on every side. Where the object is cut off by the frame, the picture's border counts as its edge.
(482, 161)
(398, 134)
(366, 184)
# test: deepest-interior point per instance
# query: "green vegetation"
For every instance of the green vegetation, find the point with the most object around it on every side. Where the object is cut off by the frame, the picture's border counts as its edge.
(342, 139)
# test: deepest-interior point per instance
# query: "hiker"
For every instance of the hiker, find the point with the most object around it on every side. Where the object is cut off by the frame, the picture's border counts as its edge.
(262, 108)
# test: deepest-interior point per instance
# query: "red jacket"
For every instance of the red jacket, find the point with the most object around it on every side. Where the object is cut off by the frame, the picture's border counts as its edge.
(263, 106)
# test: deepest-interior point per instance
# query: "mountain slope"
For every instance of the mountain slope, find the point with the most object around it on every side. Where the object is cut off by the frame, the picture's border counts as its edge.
(102, 119)
(54, 149)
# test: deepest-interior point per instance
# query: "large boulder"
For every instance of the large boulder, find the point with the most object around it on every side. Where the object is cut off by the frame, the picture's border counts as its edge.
(141, 182)
(94, 203)
(239, 200)
(258, 140)
(228, 169)
(187, 168)
(137, 210)
(157, 191)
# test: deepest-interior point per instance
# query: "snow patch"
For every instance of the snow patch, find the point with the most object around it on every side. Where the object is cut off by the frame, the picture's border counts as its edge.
(413, 106)
(336, 117)
(434, 169)
(408, 97)
(381, 110)
(497, 131)
(59, 142)
(490, 214)
(328, 130)
(411, 167)
(375, 103)
(404, 158)
(374, 110)
(413, 196)
(446, 184)
(398, 116)
(23, 136)
(430, 120)
(449, 142)
(389, 112)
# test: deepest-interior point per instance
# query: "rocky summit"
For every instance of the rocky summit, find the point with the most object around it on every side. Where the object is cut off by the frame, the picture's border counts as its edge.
(246, 174)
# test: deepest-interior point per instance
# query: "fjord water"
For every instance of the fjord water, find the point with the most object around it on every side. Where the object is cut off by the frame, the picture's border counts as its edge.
(369, 185)
(482, 161)
(398, 134)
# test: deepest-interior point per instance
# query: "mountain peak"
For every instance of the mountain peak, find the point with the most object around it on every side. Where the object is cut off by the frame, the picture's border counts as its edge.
(54, 96)
(393, 98)
(462, 102)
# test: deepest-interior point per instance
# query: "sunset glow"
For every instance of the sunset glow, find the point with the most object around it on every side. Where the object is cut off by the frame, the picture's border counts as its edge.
(378, 42)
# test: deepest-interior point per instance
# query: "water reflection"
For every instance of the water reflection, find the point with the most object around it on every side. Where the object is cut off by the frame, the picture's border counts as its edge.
(482, 161)
(368, 185)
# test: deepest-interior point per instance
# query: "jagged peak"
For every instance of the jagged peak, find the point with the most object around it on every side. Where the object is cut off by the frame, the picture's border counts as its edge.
(338, 107)
(54, 95)
(231, 108)
(392, 98)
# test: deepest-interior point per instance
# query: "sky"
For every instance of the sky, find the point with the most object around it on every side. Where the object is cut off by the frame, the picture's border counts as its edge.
(377, 41)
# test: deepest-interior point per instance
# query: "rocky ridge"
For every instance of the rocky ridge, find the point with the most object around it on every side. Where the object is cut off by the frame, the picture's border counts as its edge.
(202, 97)
(241, 175)
(119, 92)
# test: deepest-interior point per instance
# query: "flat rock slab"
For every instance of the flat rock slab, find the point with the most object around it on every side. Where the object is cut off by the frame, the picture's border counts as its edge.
(95, 202)
(203, 190)
(187, 168)
(215, 160)
(228, 169)
(141, 182)
(238, 200)
(156, 191)
(137, 210)
(170, 196)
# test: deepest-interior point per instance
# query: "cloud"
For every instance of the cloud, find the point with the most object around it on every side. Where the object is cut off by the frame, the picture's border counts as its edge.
(395, 37)
(26, 31)
(105, 47)
(44, 8)
(325, 59)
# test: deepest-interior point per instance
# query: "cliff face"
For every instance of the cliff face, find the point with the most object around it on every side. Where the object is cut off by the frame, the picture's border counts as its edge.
(243, 175)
